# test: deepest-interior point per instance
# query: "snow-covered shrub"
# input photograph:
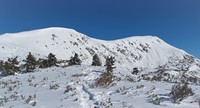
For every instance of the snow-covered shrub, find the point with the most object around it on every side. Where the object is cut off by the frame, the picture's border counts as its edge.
(154, 99)
(1, 103)
(14, 97)
(199, 102)
(79, 75)
(129, 78)
(135, 71)
(68, 89)
(54, 87)
(156, 78)
(139, 86)
(180, 91)
(34, 103)
(29, 99)
(105, 79)
(106, 104)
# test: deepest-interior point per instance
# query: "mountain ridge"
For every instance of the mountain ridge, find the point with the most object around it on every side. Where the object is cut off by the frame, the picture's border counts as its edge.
(135, 51)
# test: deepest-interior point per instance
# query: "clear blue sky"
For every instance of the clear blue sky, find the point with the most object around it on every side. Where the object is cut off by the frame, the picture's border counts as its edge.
(175, 21)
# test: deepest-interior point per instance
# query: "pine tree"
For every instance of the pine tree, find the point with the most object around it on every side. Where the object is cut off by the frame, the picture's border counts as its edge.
(7, 68)
(30, 62)
(43, 63)
(109, 64)
(96, 61)
(52, 60)
(11, 66)
(1, 65)
(49, 62)
(75, 60)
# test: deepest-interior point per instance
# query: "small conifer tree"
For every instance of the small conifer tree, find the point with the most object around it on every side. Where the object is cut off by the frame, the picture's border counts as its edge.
(96, 61)
(1, 65)
(75, 60)
(110, 64)
(52, 60)
(11, 66)
(31, 62)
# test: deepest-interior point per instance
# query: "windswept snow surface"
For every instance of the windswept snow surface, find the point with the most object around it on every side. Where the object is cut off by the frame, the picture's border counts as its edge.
(73, 87)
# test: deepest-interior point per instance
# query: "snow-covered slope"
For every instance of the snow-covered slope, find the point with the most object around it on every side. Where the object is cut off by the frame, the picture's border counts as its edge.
(73, 87)
(137, 51)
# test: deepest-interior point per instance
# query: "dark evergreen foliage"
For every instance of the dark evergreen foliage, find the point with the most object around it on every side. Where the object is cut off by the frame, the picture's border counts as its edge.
(43, 63)
(135, 71)
(31, 62)
(1, 65)
(105, 79)
(96, 61)
(11, 66)
(109, 64)
(52, 60)
(49, 62)
(75, 60)
(180, 91)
